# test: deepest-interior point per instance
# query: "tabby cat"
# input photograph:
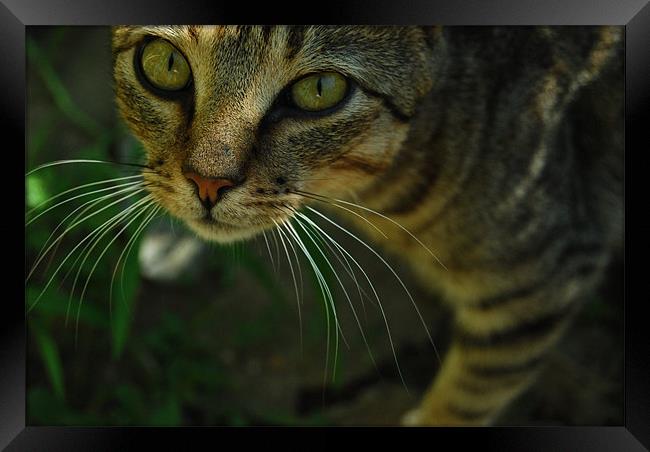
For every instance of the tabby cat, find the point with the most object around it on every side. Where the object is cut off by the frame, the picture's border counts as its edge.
(497, 150)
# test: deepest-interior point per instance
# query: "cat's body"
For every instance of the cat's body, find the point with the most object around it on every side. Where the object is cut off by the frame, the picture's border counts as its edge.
(500, 149)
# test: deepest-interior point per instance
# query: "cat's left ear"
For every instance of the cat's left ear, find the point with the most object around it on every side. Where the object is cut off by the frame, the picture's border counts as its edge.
(421, 54)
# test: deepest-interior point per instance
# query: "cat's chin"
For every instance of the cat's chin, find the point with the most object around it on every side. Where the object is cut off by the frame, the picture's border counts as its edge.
(221, 233)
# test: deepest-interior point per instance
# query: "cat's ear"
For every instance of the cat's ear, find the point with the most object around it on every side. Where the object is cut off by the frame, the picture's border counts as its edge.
(414, 58)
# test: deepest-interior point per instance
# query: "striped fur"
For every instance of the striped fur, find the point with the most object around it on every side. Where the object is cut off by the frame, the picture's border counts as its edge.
(500, 147)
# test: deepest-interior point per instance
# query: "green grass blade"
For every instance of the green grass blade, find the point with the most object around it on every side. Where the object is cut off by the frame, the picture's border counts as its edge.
(57, 307)
(124, 302)
(60, 94)
(51, 359)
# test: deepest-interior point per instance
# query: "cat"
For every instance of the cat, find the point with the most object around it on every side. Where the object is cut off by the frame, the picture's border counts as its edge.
(494, 155)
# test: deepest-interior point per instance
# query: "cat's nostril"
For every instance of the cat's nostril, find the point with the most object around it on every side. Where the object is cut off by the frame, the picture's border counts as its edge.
(209, 189)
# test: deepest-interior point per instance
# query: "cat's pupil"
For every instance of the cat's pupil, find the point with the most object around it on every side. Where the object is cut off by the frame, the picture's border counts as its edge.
(319, 86)
(170, 62)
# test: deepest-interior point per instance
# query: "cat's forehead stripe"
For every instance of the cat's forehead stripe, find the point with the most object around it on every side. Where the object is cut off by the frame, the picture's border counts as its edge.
(295, 41)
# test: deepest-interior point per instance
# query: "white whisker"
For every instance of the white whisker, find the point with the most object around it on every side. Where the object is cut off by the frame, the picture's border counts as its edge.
(85, 206)
(130, 184)
(266, 240)
(354, 312)
(100, 232)
(277, 249)
(295, 254)
(139, 209)
(345, 263)
(382, 216)
(293, 276)
(417, 310)
(96, 235)
(329, 202)
(80, 187)
(77, 246)
(128, 248)
(327, 297)
(327, 261)
(66, 162)
(135, 191)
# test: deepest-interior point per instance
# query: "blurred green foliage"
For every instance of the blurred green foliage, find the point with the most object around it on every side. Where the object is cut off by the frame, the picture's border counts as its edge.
(52, 305)
(98, 370)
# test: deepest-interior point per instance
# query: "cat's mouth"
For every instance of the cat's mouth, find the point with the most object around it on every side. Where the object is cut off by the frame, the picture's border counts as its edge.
(213, 229)
(239, 213)
(210, 221)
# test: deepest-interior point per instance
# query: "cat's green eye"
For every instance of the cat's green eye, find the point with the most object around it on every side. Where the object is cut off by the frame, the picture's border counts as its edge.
(164, 66)
(319, 91)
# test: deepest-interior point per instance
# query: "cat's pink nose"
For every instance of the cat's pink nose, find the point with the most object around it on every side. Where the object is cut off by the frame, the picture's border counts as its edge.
(209, 189)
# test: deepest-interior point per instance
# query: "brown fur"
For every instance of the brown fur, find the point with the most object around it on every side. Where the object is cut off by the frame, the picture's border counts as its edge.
(499, 147)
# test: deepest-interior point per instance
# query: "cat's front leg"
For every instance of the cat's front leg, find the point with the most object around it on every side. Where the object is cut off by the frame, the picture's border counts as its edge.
(459, 397)
(495, 354)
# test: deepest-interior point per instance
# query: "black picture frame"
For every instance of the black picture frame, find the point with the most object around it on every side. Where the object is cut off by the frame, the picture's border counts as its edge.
(15, 15)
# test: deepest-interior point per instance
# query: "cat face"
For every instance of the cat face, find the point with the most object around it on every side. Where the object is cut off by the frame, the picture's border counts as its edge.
(236, 121)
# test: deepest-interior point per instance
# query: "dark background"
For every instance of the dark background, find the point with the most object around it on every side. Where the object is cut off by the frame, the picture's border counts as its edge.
(219, 344)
